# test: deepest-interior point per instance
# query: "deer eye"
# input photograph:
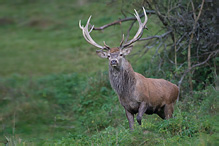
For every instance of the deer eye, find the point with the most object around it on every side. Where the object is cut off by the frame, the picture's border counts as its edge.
(120, 54)
(108, 56)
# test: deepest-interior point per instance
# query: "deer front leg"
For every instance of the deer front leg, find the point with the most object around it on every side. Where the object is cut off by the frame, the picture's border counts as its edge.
(142, 109)
(130, 118)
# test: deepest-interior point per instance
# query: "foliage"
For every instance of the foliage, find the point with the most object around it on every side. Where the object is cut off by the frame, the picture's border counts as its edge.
(187, 123)
(98, 118)
(54, 90)
(184, 43)
(191, 25)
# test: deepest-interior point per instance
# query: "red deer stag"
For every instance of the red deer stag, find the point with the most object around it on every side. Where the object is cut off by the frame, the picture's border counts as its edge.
(136, 93)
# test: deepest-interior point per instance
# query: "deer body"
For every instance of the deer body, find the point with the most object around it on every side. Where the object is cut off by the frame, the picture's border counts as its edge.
(136, 93)
(133, 88)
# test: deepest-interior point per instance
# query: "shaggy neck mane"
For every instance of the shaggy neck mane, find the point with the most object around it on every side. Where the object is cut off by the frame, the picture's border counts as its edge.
(122, 79)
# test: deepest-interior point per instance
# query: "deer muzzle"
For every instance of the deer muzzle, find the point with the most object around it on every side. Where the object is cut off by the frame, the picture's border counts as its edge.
(114, 62)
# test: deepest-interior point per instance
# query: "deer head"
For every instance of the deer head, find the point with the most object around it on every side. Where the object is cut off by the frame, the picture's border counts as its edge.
(114, 55)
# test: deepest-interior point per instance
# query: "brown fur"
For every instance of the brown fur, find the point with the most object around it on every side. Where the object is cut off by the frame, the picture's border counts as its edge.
(113, 50)
(138, 94)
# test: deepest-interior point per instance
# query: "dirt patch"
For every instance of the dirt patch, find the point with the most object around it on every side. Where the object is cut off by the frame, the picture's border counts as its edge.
(41, 23)
(146, 132)
(6, 21)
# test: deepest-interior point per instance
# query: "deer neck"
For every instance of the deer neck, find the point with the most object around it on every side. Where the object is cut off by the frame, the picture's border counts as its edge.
(122, 78)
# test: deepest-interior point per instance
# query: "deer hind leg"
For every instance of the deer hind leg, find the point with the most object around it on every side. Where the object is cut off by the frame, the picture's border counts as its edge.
(142, 109)
(168, 111)
(161, 114)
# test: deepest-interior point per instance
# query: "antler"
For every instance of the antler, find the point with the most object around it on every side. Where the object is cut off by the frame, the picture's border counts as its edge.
(86, 34)
(139, 32)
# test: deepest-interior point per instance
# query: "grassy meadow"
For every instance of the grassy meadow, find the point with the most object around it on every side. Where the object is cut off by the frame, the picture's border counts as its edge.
(54, 89)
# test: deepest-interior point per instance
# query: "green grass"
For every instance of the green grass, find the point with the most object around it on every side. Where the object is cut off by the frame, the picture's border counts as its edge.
(44, 37)
(71, 109)
(54, 89)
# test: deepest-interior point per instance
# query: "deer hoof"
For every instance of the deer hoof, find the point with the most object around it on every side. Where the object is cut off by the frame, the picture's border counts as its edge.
(139, 119)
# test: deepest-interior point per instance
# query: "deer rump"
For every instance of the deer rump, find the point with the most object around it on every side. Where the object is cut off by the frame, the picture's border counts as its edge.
(156, 94)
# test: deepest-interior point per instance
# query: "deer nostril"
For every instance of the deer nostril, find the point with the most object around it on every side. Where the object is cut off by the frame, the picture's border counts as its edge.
(113, 62)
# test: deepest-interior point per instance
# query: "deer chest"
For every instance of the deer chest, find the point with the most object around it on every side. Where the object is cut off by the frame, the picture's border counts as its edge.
(129, 104)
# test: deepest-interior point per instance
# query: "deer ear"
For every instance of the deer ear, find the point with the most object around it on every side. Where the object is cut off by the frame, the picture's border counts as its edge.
(127, 50)
(101, 54)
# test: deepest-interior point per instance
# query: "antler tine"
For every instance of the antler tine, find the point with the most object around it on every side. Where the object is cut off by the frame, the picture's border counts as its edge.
(122, 41)
(140, 29)
(106, 46)
(86, 33)
(80, 24)
(146, 17)
(88, 21)
(92, 27)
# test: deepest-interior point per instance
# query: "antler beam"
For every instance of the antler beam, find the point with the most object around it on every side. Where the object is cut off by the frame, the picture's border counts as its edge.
(140, 29)
(86, 33)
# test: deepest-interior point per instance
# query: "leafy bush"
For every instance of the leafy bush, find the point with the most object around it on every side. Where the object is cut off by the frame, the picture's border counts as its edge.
(190, 121)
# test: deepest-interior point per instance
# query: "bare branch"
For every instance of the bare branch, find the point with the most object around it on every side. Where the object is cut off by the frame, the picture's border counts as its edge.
(214, 53)
(191, 38)
(156, 36)
(123, 20)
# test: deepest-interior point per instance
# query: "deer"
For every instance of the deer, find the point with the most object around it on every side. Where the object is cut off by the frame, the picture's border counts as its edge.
(137, 94)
